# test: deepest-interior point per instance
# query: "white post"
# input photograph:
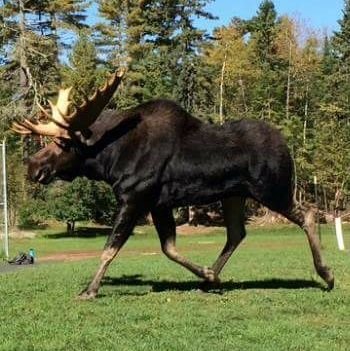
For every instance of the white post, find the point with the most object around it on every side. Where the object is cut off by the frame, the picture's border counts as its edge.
(6, 241)
(339, 233)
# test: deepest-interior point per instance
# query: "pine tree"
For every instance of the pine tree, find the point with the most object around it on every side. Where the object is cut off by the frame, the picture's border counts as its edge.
(267, 99)
(159, 41)
(188, 40)
(32, 40)
(341, 76)
(31, 36)
(263, 31)
(333, 133)
(81, 72)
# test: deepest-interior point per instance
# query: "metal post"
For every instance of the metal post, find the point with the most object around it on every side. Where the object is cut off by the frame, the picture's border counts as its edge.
(6, 241)
(318, 209)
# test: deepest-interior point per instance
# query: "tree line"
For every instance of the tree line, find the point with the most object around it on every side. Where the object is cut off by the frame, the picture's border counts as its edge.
(269, 67)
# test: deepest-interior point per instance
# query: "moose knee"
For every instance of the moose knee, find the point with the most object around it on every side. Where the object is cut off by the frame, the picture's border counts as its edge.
(108, 255)
(169, 250)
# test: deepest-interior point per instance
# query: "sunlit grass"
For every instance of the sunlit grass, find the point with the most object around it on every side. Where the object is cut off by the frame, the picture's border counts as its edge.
(270, 297)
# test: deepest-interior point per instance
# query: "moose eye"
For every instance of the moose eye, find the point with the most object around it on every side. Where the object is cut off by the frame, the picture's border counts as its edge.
(64, 144)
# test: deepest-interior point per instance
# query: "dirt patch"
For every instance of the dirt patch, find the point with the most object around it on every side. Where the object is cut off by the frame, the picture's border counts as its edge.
(186, 229)
(70, 256)
(22, 234)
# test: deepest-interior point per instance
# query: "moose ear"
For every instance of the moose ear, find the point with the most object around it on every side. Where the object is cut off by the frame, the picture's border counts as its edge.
(85, 137)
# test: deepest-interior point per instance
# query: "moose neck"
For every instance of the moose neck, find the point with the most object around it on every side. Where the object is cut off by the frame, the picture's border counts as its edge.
(98, 163)
(109, 150)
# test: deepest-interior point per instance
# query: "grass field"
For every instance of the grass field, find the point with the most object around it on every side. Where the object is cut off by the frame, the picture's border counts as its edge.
(270, 298)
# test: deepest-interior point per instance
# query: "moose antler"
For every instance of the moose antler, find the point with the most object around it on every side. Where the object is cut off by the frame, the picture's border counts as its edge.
(50, 129)
(61, 123)
(87, 113)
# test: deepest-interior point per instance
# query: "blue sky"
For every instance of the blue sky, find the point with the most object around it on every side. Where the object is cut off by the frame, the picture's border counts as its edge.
(320, 14)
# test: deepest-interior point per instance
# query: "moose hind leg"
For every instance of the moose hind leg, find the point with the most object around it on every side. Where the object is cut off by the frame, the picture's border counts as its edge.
(305, 218)
(233, 209)
(165, 224)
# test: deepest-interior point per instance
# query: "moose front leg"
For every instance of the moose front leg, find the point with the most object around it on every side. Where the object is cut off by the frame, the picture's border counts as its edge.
(165, 224)
(123, 227)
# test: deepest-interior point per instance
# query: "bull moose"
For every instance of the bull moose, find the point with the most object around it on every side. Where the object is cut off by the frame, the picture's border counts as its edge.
(157, 156)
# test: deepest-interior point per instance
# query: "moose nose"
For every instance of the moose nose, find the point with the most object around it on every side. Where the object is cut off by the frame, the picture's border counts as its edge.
(39, 174)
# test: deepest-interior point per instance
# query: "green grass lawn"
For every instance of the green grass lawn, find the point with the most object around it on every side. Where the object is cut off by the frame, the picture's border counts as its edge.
(270, 297)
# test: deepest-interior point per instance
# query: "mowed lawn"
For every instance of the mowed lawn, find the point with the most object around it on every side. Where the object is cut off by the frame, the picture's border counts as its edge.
(270, 297)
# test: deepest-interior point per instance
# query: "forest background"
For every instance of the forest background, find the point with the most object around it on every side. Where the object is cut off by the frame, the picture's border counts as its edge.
(268, 67)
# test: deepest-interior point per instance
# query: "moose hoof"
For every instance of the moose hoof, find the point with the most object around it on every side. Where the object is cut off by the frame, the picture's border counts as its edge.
(87, 295)
(330, 281)
(327, 275)
(209, 275)
(330, 285)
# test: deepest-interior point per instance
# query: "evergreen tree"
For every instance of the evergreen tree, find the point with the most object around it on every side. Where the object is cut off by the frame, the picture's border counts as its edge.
(188, 41)
(161, 44)
(263, 32)
(268, 94)
(82, 70)
(29, 71)
(333, 133)
(341, 76)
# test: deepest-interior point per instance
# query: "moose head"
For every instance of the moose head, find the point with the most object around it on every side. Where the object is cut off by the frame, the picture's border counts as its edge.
(70, 131)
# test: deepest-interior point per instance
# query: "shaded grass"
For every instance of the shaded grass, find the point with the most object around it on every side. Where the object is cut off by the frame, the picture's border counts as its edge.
(270, 298)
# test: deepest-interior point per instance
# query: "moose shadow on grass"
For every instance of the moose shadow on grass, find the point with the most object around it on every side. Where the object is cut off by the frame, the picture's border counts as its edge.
(195, 285)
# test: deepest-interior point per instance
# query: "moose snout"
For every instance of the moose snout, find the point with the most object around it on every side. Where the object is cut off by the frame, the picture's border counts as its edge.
(40, 174)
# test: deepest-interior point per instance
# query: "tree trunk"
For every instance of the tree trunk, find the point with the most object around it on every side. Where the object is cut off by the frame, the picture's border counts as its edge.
(23, 79)
(240, 82)
(288, 80)
(306, 113)
(306, 107)
(70, 227)
(221, 114)
(295, 179)
(325, 199)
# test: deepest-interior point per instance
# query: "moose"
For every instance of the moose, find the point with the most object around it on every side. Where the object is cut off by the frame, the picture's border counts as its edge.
(156, 157)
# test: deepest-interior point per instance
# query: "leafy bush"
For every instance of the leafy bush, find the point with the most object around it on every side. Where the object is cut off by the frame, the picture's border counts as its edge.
(82, 200)
(33, 212)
